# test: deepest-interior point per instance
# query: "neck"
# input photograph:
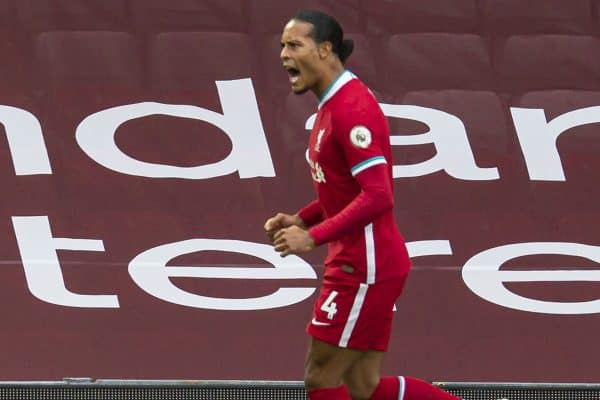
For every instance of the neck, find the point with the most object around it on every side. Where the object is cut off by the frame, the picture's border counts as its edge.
(329, 76)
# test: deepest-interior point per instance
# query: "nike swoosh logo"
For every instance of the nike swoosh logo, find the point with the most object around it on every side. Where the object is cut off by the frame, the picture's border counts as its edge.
(318, 323)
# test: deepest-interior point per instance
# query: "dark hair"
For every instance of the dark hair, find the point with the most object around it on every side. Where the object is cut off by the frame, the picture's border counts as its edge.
(327, 29)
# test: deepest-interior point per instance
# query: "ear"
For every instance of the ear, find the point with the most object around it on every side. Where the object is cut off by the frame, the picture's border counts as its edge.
(325, 49)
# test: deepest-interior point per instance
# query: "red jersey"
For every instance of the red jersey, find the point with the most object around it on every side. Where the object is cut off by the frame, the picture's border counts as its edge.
(350, 158)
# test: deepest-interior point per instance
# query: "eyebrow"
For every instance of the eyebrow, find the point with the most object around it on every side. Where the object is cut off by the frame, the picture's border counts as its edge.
(293, 41)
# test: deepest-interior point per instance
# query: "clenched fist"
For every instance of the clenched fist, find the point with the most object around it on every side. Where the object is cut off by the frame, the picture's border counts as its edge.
(293, 240)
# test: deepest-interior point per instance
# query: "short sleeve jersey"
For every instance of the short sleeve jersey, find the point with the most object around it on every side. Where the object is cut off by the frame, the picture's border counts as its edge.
(350, 135)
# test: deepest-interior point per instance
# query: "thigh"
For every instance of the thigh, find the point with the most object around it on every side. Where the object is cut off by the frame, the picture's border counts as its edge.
(356, 316)
(373, 326)
(373, 323)
(333, 318)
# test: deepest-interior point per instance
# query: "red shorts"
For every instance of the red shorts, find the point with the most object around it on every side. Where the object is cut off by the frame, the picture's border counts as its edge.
(356, 316)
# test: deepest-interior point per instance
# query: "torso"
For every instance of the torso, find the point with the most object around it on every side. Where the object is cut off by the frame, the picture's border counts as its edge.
(377, 251)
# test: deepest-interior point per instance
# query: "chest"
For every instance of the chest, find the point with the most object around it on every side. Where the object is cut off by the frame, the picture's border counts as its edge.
(322, 146)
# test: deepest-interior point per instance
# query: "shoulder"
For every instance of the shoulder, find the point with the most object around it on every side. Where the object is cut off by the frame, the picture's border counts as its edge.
(357, 106)
(358, 95)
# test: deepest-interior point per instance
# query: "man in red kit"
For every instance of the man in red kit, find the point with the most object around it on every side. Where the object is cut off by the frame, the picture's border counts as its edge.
(367, 261)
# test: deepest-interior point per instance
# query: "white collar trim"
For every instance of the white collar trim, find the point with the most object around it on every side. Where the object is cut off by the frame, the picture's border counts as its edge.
(339, 82)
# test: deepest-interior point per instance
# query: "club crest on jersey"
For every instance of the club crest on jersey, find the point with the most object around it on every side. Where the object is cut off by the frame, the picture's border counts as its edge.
(360, 136)
(319, 137)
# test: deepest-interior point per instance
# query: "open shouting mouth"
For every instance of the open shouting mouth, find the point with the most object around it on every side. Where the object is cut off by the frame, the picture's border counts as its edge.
(293, 73)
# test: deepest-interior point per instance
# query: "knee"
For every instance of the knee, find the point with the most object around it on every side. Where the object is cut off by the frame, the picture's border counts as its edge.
(320, 375)
(314, 377)
(363, 390)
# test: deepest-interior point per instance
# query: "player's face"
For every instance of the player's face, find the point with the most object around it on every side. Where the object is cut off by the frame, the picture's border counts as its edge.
(299, 54)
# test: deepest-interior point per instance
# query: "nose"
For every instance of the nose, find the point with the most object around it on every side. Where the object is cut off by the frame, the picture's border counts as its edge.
(283, 54)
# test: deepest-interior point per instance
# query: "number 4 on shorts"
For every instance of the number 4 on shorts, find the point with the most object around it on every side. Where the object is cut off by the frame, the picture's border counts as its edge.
(329, 306)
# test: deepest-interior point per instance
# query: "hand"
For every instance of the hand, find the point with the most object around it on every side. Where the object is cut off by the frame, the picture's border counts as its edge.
(280, 221)
(293, 240)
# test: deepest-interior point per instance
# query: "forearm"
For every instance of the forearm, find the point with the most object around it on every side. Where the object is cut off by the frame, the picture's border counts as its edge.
(375, 198)
(311, 214)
